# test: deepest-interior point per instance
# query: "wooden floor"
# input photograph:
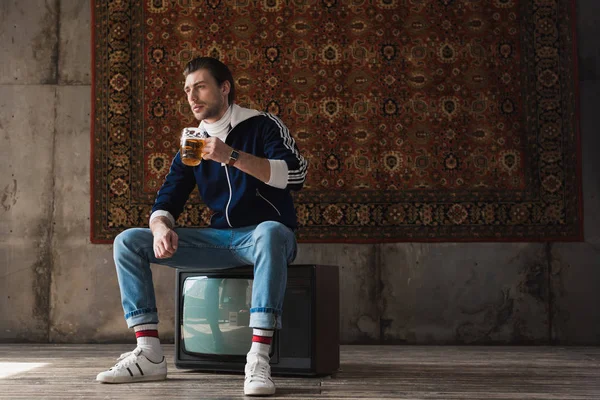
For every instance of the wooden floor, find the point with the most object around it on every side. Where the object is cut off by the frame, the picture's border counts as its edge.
(367, 372)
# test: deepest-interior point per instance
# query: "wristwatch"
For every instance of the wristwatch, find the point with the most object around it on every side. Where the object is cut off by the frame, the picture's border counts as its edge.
(233, 157)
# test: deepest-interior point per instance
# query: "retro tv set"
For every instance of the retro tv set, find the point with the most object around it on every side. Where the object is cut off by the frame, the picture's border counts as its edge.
(213, 313)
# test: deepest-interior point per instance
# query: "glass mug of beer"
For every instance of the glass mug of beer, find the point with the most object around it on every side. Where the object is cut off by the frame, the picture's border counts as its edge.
(192, 142)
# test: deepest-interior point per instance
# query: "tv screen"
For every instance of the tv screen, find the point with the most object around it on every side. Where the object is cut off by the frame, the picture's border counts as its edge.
(213, 314)
(216, 315)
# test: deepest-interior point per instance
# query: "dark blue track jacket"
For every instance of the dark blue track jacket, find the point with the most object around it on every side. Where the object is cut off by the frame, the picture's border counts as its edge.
(236, 198)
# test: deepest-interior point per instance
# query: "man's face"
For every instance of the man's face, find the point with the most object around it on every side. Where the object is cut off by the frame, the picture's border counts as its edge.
(207, 99)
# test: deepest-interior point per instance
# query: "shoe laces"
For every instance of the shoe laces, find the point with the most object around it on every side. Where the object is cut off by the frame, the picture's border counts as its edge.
(259, 371)
(128, 358)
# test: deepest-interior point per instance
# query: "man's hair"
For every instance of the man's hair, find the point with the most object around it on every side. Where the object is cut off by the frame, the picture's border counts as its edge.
(217, 69)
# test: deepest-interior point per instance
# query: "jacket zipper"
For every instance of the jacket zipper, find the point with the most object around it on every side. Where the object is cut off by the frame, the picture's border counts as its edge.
(228, 201)
(229, 129)
(264, 198)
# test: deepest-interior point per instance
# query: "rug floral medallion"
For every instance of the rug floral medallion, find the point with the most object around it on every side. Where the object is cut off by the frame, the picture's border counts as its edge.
(422, 120)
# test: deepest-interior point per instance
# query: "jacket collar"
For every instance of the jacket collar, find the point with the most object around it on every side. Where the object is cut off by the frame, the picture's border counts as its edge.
(240, 114)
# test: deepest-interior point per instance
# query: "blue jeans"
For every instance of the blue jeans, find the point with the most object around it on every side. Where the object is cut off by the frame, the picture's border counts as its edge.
(269, 246)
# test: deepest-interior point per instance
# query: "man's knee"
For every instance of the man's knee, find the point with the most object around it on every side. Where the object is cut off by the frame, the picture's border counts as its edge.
(272, 231)
(131, 238)
(275, 238)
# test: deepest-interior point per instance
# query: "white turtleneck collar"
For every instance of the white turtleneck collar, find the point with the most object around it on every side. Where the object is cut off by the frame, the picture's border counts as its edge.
(233, 116)
(220, 128)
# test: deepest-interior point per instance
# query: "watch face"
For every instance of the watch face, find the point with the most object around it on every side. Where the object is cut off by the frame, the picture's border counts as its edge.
(233, 157)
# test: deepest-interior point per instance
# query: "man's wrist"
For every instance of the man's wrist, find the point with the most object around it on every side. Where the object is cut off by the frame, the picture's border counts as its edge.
(160, 223)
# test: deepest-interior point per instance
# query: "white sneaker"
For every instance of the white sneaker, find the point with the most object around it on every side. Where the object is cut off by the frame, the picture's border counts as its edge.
(134, 367)
(258, 376)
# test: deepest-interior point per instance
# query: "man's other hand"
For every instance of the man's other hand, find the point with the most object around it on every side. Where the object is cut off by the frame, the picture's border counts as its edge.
(165, 242)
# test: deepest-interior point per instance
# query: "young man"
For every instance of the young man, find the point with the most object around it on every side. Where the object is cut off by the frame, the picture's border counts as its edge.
(250, 165)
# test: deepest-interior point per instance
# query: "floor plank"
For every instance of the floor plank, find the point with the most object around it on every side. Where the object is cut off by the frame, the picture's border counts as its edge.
(367, 372)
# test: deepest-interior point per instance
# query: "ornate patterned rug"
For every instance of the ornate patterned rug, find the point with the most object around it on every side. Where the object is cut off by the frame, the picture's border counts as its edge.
(422, 120)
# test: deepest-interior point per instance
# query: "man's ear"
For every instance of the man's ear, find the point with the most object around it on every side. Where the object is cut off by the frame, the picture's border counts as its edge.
(225, 88)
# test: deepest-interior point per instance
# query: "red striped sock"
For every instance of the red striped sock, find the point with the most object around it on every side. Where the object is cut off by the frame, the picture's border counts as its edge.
(263, 336)
(146, 330)
(146, 336)
(262, 339)
(146, 333)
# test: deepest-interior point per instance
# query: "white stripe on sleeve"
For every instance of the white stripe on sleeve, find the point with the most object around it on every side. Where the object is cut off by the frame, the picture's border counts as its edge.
(295, 175)
(279, 174)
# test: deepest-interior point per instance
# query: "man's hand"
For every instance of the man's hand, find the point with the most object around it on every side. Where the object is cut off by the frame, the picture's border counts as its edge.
(165, 238)
(214, 149)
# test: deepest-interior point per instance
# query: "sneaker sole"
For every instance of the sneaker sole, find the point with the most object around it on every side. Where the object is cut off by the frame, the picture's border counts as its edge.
(259, 392)
(129, 379)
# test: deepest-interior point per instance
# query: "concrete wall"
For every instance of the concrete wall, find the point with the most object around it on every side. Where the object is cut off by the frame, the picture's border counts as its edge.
(55, 286)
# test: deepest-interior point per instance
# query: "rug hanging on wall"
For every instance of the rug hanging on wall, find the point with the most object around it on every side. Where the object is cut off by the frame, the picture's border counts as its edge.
(422, 120)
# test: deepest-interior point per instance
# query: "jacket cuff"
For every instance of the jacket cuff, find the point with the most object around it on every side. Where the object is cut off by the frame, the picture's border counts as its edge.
(279, 174)
(162, 213)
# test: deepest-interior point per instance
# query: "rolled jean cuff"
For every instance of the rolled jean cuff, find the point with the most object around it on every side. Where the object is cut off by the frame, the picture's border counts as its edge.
(141, 316)
(265, 318)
